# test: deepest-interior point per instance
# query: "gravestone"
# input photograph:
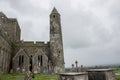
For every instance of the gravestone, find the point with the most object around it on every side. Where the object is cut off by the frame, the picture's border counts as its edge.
(101, 74)
(73, 76)
(28, 75)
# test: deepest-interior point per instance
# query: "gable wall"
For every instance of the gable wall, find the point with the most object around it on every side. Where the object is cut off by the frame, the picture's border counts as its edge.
(31, 49)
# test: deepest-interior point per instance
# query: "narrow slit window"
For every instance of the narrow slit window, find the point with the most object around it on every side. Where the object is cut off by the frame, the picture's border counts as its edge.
(19, 60)
(38, 60)
(41, 61)
(22, 59)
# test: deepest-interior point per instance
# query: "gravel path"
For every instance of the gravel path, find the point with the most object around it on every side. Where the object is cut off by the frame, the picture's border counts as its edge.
(21, 79)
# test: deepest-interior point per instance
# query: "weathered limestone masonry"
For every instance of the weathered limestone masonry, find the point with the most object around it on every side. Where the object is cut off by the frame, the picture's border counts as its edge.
(5, 52)
(10, 32)
(11, 27)
(32, 56)
(19, 56)
(56, 44)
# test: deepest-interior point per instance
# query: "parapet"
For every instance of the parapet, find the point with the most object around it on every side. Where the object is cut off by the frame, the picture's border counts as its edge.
(31, 43)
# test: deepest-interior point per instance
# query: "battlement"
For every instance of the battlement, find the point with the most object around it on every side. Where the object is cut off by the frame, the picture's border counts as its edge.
(31, 43)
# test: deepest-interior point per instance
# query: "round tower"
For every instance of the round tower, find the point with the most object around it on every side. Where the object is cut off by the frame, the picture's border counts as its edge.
(56, 44)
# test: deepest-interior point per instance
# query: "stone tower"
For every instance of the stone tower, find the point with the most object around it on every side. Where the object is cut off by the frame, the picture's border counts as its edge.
(56, 44)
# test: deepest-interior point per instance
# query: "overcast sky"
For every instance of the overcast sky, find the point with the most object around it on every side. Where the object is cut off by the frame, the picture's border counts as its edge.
(91, 28)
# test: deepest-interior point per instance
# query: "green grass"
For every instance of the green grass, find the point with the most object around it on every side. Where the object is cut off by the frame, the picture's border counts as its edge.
(37, 77)
(43, 77)
(117, 71)
(11, 77)
(117, 77)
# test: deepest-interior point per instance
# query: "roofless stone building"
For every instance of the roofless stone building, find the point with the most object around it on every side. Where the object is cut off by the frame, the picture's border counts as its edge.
(19, 56)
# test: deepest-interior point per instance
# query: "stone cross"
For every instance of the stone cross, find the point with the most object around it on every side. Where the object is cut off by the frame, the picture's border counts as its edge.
(76, 62)
(72, 68)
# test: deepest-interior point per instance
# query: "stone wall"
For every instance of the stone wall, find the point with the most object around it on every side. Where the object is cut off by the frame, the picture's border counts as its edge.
(56, 44)
(11, 27)
(5, 52)
(31, 47)
(37, 51)
(17, 55)
(20, 66)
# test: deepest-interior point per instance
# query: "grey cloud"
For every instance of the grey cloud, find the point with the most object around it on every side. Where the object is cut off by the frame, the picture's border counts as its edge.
(25, 8)
(85, 30)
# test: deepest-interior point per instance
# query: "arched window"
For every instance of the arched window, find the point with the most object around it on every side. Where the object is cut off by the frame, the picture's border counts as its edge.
(21, 60)
(40, 60)
(54, 16)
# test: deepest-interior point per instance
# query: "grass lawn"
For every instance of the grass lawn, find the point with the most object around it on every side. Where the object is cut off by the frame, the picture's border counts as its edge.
(46, 77)
(118, 77)
(37, 77)
(117, 72)
(11, 77)
(43, 77)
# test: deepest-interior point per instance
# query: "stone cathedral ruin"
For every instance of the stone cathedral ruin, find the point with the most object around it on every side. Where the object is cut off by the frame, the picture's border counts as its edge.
(20, 56)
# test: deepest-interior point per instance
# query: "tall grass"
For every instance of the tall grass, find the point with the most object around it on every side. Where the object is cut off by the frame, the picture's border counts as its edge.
(37, 77)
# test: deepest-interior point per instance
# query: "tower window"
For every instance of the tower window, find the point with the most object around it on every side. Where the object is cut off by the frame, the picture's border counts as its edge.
(54, 16)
